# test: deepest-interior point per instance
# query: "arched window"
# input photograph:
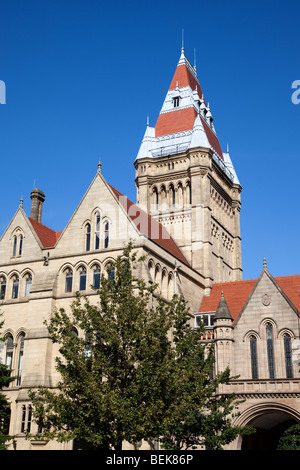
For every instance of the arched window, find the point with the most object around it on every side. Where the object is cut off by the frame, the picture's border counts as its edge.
(20, 244)
(9, 351)
(82, 279)
(155, 197)
(106, 235)
(172, 196)
(2, 287)
(270, 350)
(96, 277)
(97, 231)
(20, 360)
(69, 280)
(253, 354)
(15, 287)
(28, 283)
(15, 240)
(111, 272)
(189, 189)
(87, 237)
(288, 356)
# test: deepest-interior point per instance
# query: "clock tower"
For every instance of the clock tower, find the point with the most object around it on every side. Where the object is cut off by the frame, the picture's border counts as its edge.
(185, 180)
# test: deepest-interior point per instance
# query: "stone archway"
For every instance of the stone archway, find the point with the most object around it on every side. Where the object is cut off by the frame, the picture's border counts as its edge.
(270, 420)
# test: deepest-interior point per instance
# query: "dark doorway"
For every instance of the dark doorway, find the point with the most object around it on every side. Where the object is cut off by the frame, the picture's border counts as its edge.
(269, 428)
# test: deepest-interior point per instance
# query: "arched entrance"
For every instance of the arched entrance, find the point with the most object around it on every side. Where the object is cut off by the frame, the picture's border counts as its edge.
(270, 420)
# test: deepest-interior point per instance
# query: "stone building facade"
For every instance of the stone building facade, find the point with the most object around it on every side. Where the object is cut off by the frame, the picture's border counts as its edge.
(186, 223)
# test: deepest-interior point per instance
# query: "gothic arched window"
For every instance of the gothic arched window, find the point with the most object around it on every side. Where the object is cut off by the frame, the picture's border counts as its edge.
(106, 235)
(253, 354)
(15, 287)
(97, 231)
(270, 350)
(87, 237)
(2, 287)
(9, 351)
(155, 197)
(111, 272)
(20, 244)
(15, 240)
(28, 283)
(288, 356)
(96, 277)
(20, 360)
(69, 280)
(172, 196)
(82, 279)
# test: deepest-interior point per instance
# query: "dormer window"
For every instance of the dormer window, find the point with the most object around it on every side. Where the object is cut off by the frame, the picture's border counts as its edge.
(206, 318)
(176, 101)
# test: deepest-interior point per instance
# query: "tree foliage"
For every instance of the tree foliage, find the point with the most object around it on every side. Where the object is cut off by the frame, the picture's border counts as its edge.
(133, 371)
(5, 379)
(290, 440)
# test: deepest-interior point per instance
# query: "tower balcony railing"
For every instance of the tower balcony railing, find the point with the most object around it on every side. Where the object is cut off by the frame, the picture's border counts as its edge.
(169, 150)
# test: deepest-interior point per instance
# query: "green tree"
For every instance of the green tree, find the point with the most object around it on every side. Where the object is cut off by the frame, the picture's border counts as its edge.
(5, 379)
(290, 440)
(197, 414)
(133, 372)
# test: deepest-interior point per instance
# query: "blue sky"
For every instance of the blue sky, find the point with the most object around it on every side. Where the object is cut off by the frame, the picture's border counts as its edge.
(81, 77)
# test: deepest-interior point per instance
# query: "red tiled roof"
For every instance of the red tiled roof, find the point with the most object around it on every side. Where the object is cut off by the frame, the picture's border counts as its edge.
(175, 121)
(291, 287)
(184, 77)
(236, 294)
(183, 119)
(148, 226)
(47, 236)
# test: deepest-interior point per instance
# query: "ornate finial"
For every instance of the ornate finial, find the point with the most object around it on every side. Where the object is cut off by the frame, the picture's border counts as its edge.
(182, 41)
(222, 294)
(99, 166)
(227, 147)
(265, 263)
(21, 202)
(147, 120)
(195, 68)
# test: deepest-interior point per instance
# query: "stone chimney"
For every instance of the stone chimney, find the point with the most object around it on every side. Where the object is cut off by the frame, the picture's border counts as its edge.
(37, 199)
